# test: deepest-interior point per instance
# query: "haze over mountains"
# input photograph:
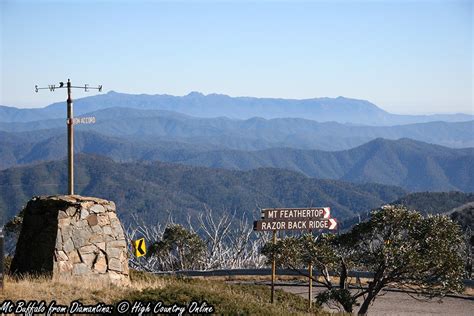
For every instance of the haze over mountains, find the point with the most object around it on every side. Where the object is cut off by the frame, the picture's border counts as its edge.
(340, 109)
(318, 151)
(251, 134)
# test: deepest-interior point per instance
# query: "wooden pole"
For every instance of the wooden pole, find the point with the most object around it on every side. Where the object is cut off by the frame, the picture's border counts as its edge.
(2, 259)
(272, 299)
(70, 139)
(310, 292)
(310, 284)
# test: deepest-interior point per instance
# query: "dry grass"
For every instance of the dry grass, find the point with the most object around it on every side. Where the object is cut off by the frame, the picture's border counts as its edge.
(226, 298)
(87, 291)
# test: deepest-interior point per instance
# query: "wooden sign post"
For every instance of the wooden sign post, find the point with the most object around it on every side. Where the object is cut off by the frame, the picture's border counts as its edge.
(275, 219)
(272, 296)
(2, 259)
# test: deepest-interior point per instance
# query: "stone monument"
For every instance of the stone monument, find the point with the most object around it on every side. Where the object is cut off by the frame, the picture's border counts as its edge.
(71, 236)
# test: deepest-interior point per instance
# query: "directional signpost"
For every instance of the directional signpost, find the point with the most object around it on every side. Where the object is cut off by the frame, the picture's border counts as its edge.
(71, 121)
(295, 224)
(2, 259)
(275, 219)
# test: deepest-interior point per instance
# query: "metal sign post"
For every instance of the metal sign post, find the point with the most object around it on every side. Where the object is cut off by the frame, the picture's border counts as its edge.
(70, 126)
(2, 259)
(310, 284)
(272, 299)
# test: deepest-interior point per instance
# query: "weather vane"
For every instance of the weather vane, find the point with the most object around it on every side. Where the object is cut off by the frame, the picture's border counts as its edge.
(71, 121)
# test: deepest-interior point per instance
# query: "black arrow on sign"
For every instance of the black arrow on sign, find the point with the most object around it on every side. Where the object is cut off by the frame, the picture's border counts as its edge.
(139, 247)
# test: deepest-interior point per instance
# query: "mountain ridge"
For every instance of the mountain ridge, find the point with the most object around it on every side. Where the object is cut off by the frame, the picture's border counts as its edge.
(414, 165)
(340, 109)
(151, 189)
(254, 133)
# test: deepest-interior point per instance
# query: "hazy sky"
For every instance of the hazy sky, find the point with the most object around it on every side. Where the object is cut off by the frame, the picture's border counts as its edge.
(405, 56)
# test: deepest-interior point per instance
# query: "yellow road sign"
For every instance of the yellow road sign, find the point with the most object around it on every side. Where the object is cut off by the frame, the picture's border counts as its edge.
(139, 247)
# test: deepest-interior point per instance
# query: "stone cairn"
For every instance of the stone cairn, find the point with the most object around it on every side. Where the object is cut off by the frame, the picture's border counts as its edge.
(70, 236)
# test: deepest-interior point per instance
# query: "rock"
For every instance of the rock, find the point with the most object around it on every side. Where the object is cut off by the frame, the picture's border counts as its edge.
(88, 259)
(116, 244)
(103, 219)
(88, 249)
(109, 238)
(68, 246)
(110, 207)
(86, 205)
(113, 253)
(74, 257)
(114, 264)
(84, 213)
(62, 214)
(67, 198)
(59, 241)
(80, 269)
(80, 237)
(64, 221)
(66, 232)
(107, 230)
(112, 216)
(96, 238)
(97, 208)
(65, 267)
(101, 245)
(61, 256)
(71, 211)
(125, 269)
(100, 264)
(92, 220)
(97, 230)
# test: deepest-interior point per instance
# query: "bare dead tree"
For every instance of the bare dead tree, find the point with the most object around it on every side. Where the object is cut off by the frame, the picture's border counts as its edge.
(230, 242)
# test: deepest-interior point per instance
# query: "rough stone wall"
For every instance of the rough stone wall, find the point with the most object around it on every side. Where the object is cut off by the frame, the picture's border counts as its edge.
(71, 236)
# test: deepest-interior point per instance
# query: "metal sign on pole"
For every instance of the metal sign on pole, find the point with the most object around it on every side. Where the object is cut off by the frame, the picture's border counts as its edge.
(289, 213)
(310, 284)
(273, 270)
(70, 125)
(2, 259)
(139, 247)
(295, 224)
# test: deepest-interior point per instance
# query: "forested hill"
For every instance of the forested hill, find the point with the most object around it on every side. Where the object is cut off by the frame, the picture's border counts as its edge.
(458, 205)
(150, 190)
(413, 165)
(435, 202)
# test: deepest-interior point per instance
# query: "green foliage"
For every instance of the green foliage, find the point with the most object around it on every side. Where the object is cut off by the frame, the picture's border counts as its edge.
(179, 249)
(342, 296)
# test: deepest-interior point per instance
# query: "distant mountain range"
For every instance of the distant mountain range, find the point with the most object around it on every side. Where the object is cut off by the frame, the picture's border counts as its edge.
(340, 109)
(151, 190)
(413, 165)
(251, 134)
